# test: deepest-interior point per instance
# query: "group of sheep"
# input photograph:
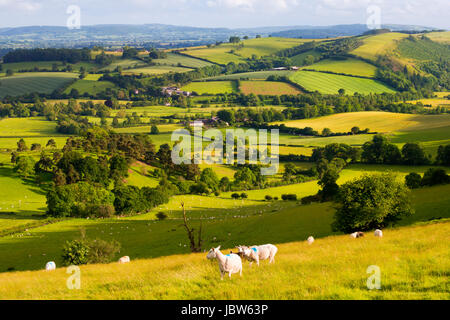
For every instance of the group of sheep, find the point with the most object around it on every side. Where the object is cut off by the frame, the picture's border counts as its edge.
(232, 263)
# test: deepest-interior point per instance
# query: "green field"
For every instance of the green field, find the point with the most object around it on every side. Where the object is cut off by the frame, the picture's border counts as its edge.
(353, 67)
(92, 87)
(176, 60)
(373, 46)
(299, 59)
(331, 83)
(260, 47)
(41, 82)
(211, 87)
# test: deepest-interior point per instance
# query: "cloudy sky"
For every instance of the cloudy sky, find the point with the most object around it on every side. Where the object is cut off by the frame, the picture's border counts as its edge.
(225, 13)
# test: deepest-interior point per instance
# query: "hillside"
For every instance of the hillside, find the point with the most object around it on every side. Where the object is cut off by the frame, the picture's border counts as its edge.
(413, 262)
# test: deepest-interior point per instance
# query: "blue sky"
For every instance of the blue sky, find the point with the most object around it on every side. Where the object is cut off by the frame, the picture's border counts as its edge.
(225, 13)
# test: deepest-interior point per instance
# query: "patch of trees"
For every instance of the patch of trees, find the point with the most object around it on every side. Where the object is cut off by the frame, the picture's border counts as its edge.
(381, 151)
(49, 54)
(371, 202)
(433, 176)
(443, 155)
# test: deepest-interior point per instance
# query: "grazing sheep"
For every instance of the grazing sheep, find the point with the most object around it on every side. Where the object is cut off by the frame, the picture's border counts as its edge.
(257, 253)
(310, 240)
(50, 266)
(378, 233)
(357, 234)
(125, 259)
(230, 263)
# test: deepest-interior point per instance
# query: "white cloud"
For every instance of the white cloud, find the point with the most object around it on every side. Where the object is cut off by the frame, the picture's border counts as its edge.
(24, 5)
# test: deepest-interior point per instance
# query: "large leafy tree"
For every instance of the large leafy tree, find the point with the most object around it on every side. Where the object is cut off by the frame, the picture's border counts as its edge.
(372, 201)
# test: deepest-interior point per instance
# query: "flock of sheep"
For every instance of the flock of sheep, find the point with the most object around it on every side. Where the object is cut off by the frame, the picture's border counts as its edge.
(232, 263)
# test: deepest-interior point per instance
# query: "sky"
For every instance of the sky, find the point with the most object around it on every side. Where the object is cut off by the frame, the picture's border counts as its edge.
(225, 13)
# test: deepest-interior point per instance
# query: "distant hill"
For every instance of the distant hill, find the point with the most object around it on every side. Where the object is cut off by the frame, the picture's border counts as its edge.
(309, 32)
(161, 35)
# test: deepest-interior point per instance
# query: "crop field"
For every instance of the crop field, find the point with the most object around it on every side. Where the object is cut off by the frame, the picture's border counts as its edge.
(373, 46)
(176, 60)
(41, 82)
(17, 66)
(222, 54)
(155, 70)
(257, 75)
(267, 88)
(331, 83)
(443, 37)
(92, 87)
(376, 121)
(211, 87)
(350, 66)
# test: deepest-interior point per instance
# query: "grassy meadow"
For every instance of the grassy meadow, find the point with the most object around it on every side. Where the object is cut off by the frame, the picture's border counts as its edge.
(413, 264)
(211, 87)
(349, 66)
(229, 52)
(331, 83)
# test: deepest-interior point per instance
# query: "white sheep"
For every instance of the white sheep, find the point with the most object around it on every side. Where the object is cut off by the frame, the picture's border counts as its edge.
(378, 233)
(124, 259)
(357, 234)
(310, 240)
(230, 263)
(50, 266)
(257, 253)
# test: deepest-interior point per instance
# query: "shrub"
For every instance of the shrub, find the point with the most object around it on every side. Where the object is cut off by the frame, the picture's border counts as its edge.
(244, 195)
(434, 176)
(290, 197)
(75, 252)
(161, 216)
(101, 251)
(217, 193)
(100, 211)
(413, 180)
(268, 198)
(311, 199)
(275, 198)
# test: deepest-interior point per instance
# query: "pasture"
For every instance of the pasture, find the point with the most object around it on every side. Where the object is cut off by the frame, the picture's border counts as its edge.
(413, 263)
(376, 45)
(376, 121)
(331, 83)
(92, 87)
(349, 66)
(211, 87)
(229, 52)
(267, 88)
(40, 82)
(176, 60)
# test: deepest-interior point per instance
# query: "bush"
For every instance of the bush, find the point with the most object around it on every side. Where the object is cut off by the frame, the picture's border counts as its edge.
(311, 199)
(268, 198)
(275, 198)
(371, 202)
(75, 252)
(290, 197)
(413, 180)
(100, 211)
(434, 176)
(101, 251)
(217, 193)
(235, 196)
(244, 195)
(161, 216)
